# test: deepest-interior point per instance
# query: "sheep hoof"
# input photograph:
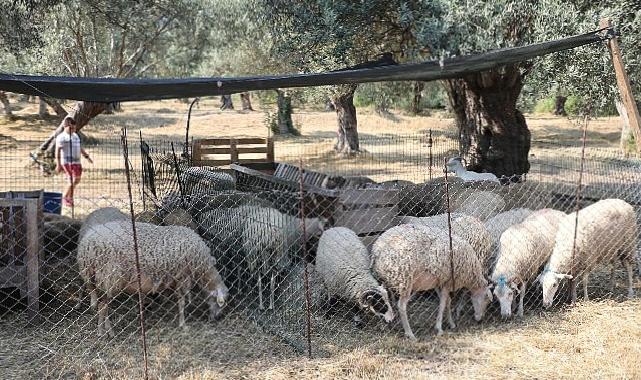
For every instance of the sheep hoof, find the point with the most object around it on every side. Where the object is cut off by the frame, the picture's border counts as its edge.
(439, 332)
(630, 293)
(452, 325)
(411, 337)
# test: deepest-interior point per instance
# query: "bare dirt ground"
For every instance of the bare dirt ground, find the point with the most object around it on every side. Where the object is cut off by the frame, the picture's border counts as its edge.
(597, 339)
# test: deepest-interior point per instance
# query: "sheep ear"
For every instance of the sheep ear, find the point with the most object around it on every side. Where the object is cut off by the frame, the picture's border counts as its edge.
(514, 287)
(488, 291)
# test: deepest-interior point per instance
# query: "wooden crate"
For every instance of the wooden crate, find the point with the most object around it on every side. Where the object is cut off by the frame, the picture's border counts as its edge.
(21, 250)
(226, 151)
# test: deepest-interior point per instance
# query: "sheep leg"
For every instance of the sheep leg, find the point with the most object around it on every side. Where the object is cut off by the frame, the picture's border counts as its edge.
(181, 310)
(260, 293)
(519, 313)
(402, 312)
(104, 325)
(450, 320)
(613, 281)
(586, 274)
(573, 290)
(272, 289)
(630, 268)
(444, 296)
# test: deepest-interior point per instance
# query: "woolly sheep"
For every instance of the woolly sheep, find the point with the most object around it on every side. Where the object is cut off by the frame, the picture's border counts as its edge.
(481, 204)
(500, 222)
(268, 236)
(101, 216)
(410, 258)
(606, 231)
(470, 228)
(524, 248)
(339, 182)
(171, 257)
(179, 217)
(343, 264)
(454, 165)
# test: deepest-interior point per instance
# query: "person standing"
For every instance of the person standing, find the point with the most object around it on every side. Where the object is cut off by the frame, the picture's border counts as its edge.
(68, 152)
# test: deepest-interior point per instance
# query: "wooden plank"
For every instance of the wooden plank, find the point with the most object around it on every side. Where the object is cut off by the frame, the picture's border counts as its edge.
(367, 220)
(228, 150)
(196, 155)
(623, 82)
(33, 261)
(369, 196)
(227, 141)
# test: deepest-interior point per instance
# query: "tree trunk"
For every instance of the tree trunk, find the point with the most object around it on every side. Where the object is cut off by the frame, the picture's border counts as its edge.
(5, 103)
(329, 106)
(82, 112)
(493, 134)
(417, 92)
(627, 138)
(42, 108)
(347, 134)
(284, 119)
(245, 99)
(226, 103)
(56, 106)
(559, 105)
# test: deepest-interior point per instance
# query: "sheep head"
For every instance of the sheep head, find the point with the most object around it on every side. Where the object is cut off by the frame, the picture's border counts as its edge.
(377, 302)
(216, 293)
(550, 282)
(481, 297)
(504, 292)
(453, 164)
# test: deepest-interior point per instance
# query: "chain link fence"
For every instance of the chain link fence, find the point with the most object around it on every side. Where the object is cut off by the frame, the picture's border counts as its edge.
(310, 255)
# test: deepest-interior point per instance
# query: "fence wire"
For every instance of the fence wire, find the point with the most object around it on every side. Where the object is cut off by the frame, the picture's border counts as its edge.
(224, 253)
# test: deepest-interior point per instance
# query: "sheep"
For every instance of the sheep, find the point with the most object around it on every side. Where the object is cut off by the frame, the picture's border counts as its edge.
(343, 264)
(606, 230)
(201, 180)
(470, 228)
(481, 204)
(455, 165)
(148, 216)
(500, 222)
(179, 217)
(524, 248)
(171, 257)
(339, 182)
(101, 216)
(268, 235)
(411, 258)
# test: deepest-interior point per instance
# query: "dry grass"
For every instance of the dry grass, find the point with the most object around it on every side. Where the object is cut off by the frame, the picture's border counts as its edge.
(600, 339)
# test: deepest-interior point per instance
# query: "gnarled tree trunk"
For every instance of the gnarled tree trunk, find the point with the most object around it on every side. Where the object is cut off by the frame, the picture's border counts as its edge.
(626, 142)
(347, 134)
(284, 120)
(417, 95)
(42, 108)
(245, 99)
(559, 105)
(5, 103)
(493, 134)
(56, 106)
(226, 103)
(82, 112)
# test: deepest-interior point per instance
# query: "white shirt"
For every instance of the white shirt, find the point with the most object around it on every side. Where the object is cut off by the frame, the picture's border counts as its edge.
(70, 153)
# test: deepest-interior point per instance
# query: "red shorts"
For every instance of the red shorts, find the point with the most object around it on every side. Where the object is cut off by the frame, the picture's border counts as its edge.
(72, 170)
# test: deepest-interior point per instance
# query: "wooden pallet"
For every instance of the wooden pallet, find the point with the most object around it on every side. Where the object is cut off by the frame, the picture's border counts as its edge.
(226, 151)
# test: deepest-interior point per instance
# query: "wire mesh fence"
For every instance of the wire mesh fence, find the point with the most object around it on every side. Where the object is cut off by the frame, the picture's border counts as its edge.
(248, 263)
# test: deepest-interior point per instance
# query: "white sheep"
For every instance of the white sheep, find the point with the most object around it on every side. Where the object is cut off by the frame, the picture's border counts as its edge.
(500, 222)
(411, 258)
(343, 264)
(470, 228)
(481, 204)
(101, 216)
(455, 165)
(606, 232)
(171, 257)
(524, 248)
(268, 238)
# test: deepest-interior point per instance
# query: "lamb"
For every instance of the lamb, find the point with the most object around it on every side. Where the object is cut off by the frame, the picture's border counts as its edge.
(606, 230)
(481, 204)
(268, 236)
(343, 264)
(410, 258)
(173, 257)
(524, 248)
(469, 228)
(455, 165)
(500, 222)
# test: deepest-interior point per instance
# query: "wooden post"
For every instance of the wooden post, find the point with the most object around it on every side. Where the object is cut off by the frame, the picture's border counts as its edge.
(623, 83)
(233, 146)
(270, 149)
(33, 259)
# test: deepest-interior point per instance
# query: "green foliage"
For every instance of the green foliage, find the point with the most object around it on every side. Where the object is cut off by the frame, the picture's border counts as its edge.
(545, 105)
